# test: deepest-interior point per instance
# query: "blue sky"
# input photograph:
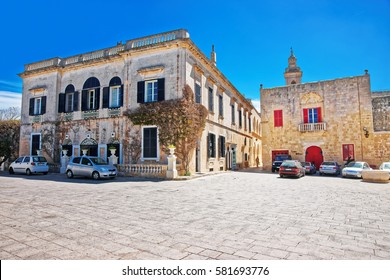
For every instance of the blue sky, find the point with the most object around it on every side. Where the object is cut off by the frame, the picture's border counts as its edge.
(331, 39)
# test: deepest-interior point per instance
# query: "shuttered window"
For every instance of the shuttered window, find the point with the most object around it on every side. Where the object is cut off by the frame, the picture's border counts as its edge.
(198, 94)
(150, 142)
(211, 100)
(348, 152)
(278, 118)
(151, 91)
(211, 145)
(37, 106)
(222, 148)
(312, 115)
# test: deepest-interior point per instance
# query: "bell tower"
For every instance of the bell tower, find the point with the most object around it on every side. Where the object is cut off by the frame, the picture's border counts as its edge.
(293, 73)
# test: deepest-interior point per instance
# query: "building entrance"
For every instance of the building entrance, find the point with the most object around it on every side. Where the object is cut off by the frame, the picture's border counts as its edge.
(314, 155)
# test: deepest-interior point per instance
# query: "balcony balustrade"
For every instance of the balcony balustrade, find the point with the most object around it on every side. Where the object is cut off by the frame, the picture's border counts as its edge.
(310, 127)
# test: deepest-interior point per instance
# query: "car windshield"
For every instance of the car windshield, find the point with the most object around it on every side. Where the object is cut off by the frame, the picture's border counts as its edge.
(355, 164)
(328, 163)
(39, 159)
(306, 163)
(98, 161)
(288, 164)
(386, 166)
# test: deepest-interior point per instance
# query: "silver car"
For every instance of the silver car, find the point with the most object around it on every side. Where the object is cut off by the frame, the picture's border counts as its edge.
(354, 169)
(93, 167)
(29, 165)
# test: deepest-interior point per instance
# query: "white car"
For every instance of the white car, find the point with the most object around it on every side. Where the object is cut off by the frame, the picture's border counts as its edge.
(385, 166)
(29, 165)
(355, 168)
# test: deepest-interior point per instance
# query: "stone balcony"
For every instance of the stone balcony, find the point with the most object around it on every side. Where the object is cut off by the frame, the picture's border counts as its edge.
(311, 127)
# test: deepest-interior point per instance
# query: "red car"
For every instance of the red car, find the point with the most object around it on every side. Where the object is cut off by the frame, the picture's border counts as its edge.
(291, 168)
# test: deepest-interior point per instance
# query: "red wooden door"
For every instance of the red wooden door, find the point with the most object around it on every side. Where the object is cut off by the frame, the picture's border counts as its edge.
(314, 155)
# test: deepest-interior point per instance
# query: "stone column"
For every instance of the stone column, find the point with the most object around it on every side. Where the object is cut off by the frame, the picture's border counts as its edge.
(171, 171)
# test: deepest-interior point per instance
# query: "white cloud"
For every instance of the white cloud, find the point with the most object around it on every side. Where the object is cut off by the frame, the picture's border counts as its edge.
(10, 99)
(256, 104)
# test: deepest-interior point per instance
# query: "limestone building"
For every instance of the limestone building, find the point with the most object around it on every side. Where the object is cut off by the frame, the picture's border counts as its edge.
(327, 120)
(76, 103)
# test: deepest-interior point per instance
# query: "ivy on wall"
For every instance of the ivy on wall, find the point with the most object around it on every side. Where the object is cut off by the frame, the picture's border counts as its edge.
(180, 123)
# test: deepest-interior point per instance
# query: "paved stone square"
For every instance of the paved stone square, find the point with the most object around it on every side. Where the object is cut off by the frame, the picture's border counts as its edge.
(232, 215)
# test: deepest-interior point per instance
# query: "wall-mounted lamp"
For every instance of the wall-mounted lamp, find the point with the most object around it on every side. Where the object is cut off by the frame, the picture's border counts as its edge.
(366, 133)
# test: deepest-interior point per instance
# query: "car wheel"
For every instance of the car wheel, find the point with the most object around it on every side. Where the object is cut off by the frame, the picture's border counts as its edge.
(28, 172)
(44, 173)
(95, 175)
(281, 176)
(11, 171)
(69, 174)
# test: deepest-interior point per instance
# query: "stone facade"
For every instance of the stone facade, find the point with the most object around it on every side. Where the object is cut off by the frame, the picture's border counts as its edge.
(77, 102)
(381, 110)
(327, 120)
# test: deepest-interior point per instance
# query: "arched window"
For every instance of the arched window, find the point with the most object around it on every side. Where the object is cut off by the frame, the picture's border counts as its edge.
(68, 101)
(90, 94)
(113, 95)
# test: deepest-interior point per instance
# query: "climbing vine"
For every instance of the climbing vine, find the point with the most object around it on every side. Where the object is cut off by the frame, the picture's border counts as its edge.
(180, 123)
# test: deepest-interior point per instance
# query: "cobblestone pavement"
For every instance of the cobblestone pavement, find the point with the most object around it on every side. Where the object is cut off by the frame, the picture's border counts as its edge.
(233, 215)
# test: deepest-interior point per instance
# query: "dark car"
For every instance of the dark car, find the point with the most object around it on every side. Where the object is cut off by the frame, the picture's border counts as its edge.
(291, 168)
(309, 167)
(278, 161)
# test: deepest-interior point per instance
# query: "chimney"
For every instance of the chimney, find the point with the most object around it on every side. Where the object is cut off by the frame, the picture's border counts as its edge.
(213, 56)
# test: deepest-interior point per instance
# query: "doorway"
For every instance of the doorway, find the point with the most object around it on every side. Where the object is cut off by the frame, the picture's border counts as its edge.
(314, 155)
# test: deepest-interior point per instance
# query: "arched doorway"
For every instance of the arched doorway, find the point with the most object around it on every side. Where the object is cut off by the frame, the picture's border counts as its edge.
(91, 146)
(314, 155)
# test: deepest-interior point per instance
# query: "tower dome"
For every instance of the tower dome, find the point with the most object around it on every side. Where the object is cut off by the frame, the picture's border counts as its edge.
(293, 73)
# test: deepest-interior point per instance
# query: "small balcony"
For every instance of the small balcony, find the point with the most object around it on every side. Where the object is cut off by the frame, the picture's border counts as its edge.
(310, 127)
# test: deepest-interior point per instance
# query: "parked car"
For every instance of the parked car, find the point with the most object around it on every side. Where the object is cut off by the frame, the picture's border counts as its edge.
(278, 161)
(309, 168)
(29, 165)
(355, 168)
(93, 167)
(385, 166)
(291, 168)
(330, 167)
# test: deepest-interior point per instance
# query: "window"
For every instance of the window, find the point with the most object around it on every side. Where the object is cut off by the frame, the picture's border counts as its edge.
(348, 152)
(85, 161)
(90, 94)
(233, 114)
(26, 159)
(69, 102)
(222, 148)
(243, 115)
(19, 160)
(220, 98)
(37, 106)
(198, 94)
(211, 100)
(239, 118)
(151, 91)
(278, 118)
(250, 124)
(149, 143)
(211, 146)
(91, 99)
(312, 115)
(113, 95)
